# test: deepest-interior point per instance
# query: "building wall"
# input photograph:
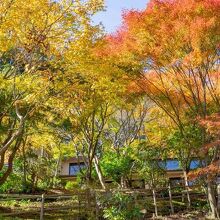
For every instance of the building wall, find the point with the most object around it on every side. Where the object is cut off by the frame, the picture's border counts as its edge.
(64, 169)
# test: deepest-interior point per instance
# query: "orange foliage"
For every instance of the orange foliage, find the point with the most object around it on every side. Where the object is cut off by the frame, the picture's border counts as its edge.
(171, 46)
(212, 124)
(211, 171)
(185, 25)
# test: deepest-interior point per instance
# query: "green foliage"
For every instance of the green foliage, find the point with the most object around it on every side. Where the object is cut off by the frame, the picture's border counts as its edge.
(121, 207)
(70, 185)
(115, 166)
(13, 184)
(192, 137)
(148, 166)
(184, 143)
(39, 175)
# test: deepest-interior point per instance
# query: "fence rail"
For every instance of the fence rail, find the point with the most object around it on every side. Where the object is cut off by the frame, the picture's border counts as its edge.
(87, 201)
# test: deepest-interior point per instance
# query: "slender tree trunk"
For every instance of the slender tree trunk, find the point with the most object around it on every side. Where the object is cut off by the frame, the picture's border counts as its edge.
(24, 167)
(146, 185)
(99, 172)
(13, 137)
(88, 176)
(2, 160)
(123, 182)
(218, 191)
(212, 200)
(57, 169)
(155, 202)
(170, 198)
(33, 182)
(9, 169)
(187, 188)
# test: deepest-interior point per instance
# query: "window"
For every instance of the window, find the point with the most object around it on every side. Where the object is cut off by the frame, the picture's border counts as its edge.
(178, 181)
(74, 168)
(174, 164)
(194, 164)
(171, 164)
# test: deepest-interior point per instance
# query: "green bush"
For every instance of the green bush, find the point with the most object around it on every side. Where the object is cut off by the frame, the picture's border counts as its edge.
(115, 167)
(120, 207)
(70, 185)
(13, 184)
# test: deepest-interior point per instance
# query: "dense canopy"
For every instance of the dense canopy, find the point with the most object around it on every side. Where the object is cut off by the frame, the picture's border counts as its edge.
(123, 105)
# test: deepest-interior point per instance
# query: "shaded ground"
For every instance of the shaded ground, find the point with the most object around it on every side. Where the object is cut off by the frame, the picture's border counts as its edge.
(71, 208)
(61, 211)
(185, 216)
(53, 210)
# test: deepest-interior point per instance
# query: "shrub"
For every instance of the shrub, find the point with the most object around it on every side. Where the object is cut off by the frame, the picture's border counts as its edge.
(13, 184)
(120, 207)
(70, 185)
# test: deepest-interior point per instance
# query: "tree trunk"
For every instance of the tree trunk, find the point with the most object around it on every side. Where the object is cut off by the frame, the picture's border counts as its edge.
(12, 137)
(2, 160)
(212, 200)
(9, 169)
(88, 176)
(57, 167)
(57, 170)
(123, 183)
(170, 199)
(218, 191)
(24, 167)
(187, 188)
(155, 202)
(99, 172)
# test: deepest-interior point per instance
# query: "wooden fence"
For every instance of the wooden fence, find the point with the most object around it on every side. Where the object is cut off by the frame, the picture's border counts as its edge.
(79, 203)
(152, 202)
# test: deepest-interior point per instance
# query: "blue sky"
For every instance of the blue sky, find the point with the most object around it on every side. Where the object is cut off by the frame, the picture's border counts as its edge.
(111, 18)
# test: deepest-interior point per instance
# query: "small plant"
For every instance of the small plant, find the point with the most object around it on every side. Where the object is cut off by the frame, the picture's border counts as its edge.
(121, 207)
(70, 185)
(10, 203)
(13, 184)
(24, 202)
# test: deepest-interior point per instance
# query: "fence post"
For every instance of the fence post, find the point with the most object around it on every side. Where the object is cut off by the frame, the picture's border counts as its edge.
(88, 201)
(79, 205)
(96, 206)
(155, 202)
(42, 207)
(218, 194)
(170, 197)
(135, 199)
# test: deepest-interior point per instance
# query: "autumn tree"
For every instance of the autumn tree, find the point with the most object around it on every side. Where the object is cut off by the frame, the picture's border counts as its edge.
(209, 154)
(172, 47)
(123, 133)
(33, 37)
(89, 113)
